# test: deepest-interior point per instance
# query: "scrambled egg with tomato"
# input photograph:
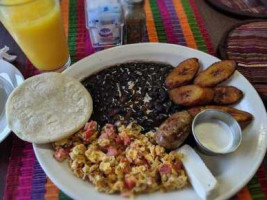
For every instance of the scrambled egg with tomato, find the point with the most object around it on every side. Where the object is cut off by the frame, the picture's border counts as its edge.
(123, 161)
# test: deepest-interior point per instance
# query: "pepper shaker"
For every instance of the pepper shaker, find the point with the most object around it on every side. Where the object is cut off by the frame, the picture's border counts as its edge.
(134, 21)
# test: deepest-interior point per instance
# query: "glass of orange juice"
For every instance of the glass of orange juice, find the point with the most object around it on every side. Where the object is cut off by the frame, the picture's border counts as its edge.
(37, 27)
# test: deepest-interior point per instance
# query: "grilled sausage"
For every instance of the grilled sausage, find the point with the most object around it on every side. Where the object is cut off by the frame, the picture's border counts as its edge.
(174, 130)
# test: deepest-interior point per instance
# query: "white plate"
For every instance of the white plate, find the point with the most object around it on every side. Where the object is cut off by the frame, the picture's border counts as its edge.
(10, 78)
(232, 171)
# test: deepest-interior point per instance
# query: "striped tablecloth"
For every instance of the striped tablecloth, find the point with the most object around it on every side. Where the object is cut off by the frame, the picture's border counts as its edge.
(172, 21)
(246, 43)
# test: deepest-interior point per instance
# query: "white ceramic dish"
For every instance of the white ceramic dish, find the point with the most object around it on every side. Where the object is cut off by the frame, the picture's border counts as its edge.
(10, 78)
(232, 171)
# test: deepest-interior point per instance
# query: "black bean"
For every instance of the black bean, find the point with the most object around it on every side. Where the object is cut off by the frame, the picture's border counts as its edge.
(110, 104)
(159, 107)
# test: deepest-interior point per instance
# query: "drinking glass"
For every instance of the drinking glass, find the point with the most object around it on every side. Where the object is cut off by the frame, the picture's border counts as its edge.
(37, 27)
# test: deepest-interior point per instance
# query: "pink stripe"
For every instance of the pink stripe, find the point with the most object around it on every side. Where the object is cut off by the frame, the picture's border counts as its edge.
(30, 70)
(83, 43)
(171, 38)
(262, 178)
(20, 171)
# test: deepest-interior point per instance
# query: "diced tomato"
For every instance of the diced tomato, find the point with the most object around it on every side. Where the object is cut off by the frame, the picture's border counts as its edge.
(130, 184)
(126, 140)
(126, 170)
(124, 160)
(88, 134)
(177, 165)
(61, 154)
(112, 151)
(108, 131)
(164, 169)
(89, 128)
(92, 125)
(119, 140)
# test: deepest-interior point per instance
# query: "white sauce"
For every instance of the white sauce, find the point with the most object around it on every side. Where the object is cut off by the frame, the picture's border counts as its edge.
(214, 135)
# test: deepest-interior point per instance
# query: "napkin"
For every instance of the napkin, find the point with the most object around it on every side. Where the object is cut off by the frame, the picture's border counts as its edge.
(5, 55)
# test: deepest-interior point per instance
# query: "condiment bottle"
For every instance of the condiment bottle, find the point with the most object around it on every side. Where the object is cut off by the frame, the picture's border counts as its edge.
(134, 21)
(104, 20)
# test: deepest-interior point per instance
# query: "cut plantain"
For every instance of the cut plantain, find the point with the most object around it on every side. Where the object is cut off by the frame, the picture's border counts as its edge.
(195, 110)
(242, 117)
(191, 95)
(216, 73)
(226, 95)
(183, 73)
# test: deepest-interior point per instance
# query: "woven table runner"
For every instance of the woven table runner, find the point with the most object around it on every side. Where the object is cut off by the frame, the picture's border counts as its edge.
(242, 8)
(246, 43)
(171, 21)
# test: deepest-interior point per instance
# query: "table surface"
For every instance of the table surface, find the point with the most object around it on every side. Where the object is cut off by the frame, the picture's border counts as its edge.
(216, 23)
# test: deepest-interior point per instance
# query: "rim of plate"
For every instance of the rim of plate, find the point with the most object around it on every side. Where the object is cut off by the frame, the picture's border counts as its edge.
(19, 80)
(263, 132)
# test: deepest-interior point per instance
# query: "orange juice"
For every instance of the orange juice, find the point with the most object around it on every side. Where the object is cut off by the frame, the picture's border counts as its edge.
(37, 27)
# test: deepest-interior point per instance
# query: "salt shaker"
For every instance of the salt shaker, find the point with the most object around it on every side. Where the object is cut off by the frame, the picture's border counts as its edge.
(134, 21)
(104, 20)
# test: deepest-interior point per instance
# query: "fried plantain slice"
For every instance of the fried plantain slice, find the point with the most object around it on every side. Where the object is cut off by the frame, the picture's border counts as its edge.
(226, 95)
(195, 110)
(183, 73)
(216, 73)
(242, 117)
(191, 95)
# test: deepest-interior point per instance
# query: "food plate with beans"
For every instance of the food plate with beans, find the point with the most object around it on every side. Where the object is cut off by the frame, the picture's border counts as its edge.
(128, 84)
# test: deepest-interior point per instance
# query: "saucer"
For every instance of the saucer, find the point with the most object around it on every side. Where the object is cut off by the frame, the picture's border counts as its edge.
(10, 78)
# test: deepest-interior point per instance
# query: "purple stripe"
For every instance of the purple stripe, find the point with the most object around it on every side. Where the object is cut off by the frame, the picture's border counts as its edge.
(20, 170)
(178, 31)
(38, 182)
(252, 6)
(25, 185)
(146, 38)
(170, 34)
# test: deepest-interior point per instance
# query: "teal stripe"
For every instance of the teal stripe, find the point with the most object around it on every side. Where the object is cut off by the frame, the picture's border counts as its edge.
(63, 196)
(158, 21)
(72, 29)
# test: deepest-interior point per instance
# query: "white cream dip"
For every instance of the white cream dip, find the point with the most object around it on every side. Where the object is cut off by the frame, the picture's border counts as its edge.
(215, 135)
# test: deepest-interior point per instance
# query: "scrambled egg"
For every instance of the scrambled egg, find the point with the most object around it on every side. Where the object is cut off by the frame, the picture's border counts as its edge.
(123, 161)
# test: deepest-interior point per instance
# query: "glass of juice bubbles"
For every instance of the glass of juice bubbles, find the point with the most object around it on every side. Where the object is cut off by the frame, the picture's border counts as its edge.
(37, 27)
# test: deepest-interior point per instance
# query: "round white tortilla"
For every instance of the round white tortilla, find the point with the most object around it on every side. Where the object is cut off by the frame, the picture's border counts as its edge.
(48, 107)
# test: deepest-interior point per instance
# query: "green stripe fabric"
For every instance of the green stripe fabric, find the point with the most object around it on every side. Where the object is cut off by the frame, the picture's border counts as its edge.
(255, 189)
(194, 26)
(63, 196)
(158, 21)
(72, 29)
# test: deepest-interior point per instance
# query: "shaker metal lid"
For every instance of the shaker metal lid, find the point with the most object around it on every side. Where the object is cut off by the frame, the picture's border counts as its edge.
(134, 1)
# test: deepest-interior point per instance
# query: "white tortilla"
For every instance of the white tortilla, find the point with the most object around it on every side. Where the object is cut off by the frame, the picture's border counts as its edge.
(48, 107)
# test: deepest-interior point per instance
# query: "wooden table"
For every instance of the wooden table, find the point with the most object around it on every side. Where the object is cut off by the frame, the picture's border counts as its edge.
(216, 23)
